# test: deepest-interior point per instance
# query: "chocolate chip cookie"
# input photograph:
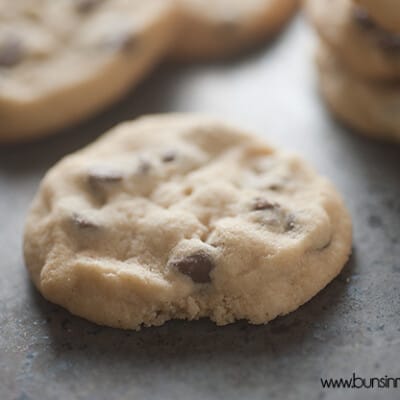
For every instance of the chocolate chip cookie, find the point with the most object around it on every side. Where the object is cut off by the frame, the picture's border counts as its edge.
(61, 61)
(183, 217)
(385, 12)
(222, 28)
(366, 48)
(370, 107)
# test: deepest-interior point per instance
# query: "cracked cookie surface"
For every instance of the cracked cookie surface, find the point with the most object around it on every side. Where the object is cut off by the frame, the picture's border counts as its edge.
(370, 107)
(223, 28)
(183, 217)
(61, 61)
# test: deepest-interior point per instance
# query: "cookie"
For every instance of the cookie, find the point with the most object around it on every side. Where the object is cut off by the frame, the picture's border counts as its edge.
(370, 107)
(362, 45)
(61, 61)
(183, 217)
(385, 12)
(223, 28)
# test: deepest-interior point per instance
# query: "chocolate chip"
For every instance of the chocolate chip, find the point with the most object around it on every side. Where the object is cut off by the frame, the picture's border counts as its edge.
(103, 175)
(197, 266)
(144, 166)
(85, 6)
(82, 222)
(168, 156)
(389, 42)
(275, 187)
(263, 204)
(386, 40)
(11, 52)
(362, 17)
(274, 217)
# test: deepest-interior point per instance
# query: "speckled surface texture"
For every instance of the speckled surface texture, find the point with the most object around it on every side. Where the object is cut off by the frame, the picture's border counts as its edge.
(351, 326)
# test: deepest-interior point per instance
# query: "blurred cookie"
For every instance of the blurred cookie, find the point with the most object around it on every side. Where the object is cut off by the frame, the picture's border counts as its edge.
(222, 28)
(363, 46)
(183, 217)
(373, 108)
(385, 12)
(61, 61)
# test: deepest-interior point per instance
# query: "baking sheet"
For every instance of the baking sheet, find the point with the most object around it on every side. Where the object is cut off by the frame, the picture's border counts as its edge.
(351, 326)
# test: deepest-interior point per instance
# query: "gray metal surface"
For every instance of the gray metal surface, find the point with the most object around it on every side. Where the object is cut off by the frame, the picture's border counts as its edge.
(351, 326)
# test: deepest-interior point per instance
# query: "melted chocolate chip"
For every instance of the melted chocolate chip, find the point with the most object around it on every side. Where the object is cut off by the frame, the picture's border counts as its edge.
(102, 176)
(85, 6)
(263, 204)
(82, 222)
(197, 266)
(11, 52)
(363, 19)
(168, 156)
(389, 42)
(386, 40)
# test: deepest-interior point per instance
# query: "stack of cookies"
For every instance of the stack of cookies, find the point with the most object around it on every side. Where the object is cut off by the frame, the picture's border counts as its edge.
(359, 62)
